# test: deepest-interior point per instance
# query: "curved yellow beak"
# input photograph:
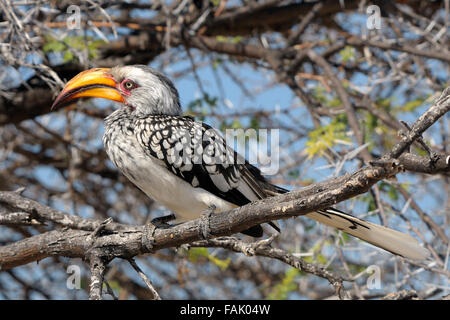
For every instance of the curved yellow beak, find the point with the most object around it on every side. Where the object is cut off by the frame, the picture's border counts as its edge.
(97, 82)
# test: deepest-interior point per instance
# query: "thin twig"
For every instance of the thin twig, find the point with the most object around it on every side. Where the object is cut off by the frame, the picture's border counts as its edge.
(146, 279)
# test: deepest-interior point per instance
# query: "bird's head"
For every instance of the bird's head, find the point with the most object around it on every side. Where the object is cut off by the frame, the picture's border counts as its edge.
(142, 89)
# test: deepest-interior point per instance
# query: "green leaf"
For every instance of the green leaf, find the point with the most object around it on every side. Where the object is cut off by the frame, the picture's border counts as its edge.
(325, 137)
(347, 54)
(390, 190)
(68, 56)
(384, 103)
(420, 151)
(194, 254)
(216, 63)
(76, 43)
(115, 286)
(200, 104)
(222, 264)
(201, 107)
(335, 102)
(367, 198)
(53, 45)
(317, 256)
(406, 186)
(345, 238)
(413, 104)
(233, 40)
(294, 174)
(319, 94)
(255, 123)
(236, 124)
(282, 289)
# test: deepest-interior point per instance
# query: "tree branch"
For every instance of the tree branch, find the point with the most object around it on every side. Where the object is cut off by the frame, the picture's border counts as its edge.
(262, 248)
(98, 267)
(126, 241)
(440, 107)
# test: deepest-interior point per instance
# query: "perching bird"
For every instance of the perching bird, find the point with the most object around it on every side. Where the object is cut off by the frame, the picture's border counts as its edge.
(186, 165)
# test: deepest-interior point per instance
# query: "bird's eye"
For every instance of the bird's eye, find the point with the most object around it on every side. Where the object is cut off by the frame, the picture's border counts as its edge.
(128, 84)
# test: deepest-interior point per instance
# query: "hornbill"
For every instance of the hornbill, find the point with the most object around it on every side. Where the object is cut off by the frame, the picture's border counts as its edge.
(186, 165)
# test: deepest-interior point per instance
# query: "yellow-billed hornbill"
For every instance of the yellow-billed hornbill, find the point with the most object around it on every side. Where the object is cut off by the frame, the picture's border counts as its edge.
(186, 165)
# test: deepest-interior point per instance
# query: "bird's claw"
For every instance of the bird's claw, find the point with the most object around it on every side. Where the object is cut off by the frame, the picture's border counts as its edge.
(100, 228)
(160, 222)
(97, 233)
(204, 228)
(148, 239)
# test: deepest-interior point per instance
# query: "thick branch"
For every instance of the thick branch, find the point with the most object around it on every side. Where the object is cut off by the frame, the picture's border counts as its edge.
(126, 241)
(40, 212)
(415, 163)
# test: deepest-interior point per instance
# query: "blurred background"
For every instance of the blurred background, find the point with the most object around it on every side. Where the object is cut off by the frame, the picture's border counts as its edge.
(301, 67)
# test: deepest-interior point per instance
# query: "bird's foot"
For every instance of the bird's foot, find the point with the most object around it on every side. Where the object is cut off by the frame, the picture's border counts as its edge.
(148, 239)
(205, 230)
(161, 222)
(100, 229)
(97, 233)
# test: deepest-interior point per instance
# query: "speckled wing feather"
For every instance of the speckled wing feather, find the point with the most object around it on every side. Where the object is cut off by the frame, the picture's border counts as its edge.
(199, 155)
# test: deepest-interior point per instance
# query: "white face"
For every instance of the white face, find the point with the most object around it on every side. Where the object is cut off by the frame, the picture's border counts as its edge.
(147, 91)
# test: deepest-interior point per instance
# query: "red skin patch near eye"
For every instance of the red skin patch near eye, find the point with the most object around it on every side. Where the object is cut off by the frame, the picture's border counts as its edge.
(126, 91)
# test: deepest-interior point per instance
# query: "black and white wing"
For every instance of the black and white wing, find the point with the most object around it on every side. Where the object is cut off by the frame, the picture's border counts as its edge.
(199, 155)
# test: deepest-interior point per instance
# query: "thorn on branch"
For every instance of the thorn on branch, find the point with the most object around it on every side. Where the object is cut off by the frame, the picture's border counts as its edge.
(20, 190)
(388, 164)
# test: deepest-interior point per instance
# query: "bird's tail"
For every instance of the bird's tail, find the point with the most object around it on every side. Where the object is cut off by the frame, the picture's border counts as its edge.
(388, 239)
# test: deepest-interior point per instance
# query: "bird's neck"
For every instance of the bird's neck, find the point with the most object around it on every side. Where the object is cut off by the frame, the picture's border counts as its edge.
(123, 114)
(127, 117)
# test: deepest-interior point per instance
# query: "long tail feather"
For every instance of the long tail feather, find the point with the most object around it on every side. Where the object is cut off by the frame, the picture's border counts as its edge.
(388, 239)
